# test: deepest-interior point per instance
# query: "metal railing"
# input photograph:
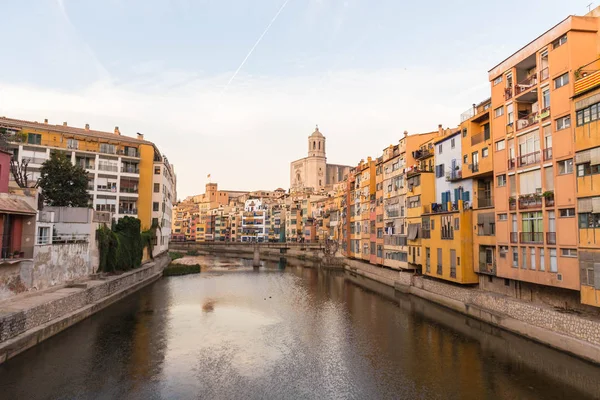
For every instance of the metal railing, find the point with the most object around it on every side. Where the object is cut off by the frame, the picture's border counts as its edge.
(531, 237)
(511, 163)
(454, 175)
(527, 202)
(549, 200)
(526, 84)
(508, 93)
(480, 137)
(128, 211)
(544, 74)
(514, 236)
(130, 170)
(423, 153)
(485, 202)
(128, 190)
(547, 153)
(487, 268)
(108, 167)
(34, 160)
(527, 120)
(550, 237)
(529, 158)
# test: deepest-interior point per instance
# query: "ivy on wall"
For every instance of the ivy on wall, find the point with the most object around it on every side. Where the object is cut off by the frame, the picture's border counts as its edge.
(121, 248)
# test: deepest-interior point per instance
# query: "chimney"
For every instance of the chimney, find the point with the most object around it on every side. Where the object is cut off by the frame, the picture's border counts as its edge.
(46, 121)
(117, 132)
(87, 127)
(140, 136)
(440, 129)
(65, 123)
(405, 133)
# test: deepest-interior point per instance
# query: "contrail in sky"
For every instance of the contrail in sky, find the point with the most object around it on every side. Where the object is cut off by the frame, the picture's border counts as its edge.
(255, 44)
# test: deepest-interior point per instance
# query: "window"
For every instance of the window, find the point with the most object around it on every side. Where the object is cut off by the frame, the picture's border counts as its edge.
(452, 143)
(43, 235)
(72, 144)
(532, 257)
(440, 148)
(466, 159)
(157, 170)
(561, 80)
(498, 80)
(568, 253)
(588, 114)
(563, 122)
(510, 115)
(567, 212)
(560, 41)
(565, 167)
(553, 264)
(503, 217)
(546, 98)
(439, 171)
(542, 260)
(34, 138)
(501, 180)
(156, 187)
(155, 206)
(498, 112)
(524, 257)
(464, 132)
(154, 221)
(500, 145)
(515, 257)
(107, 148)
(484, 152)
(503, 251)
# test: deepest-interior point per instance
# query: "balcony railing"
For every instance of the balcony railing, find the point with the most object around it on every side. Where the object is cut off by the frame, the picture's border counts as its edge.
(514, 237)
(527, 121)
(487, 268)
(417, 171)
(108, 167)
(423, 153)
(128, 190)
(550, 237)
(531, 237)
(485, 202)
(130, 170)
(587, 76)
(508, 93)
(480, 137)
(526, 84)
(454, 176)
(544, 74)
(547, 153)
(532, 201)
(511, 163)
(474, 167)
(128, 211)
(528, 159)
(86, 165)
(549, 199)
(34, 160)
(512, 204)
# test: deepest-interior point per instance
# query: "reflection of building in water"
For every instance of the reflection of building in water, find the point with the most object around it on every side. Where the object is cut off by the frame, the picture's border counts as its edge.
(313, 171)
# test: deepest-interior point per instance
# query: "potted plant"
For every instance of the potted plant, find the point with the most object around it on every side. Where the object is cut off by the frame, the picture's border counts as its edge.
(16, 254)
(548, 194)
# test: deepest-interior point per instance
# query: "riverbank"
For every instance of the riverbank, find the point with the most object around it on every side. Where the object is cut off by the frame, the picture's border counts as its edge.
(34, 317)
(571, 333)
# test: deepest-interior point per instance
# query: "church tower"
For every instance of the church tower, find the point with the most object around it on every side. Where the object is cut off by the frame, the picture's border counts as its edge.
(316, 144)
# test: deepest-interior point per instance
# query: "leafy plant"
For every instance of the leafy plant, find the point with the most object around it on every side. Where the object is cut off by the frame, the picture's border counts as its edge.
(548, 194)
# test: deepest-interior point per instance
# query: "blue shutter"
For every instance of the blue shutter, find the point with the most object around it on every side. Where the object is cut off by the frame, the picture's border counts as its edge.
(466, 196)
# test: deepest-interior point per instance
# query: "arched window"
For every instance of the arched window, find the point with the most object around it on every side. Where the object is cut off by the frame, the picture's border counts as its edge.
(314, 145)
(319, 145)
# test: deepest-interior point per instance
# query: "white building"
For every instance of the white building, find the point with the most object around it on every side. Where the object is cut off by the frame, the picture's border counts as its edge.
(163, 196)
(449, 185)
(255, 221)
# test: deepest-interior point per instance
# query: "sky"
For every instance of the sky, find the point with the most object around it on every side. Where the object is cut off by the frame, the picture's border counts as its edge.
(232, 88)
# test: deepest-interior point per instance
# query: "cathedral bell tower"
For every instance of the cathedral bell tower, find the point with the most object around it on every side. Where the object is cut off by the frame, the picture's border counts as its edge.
(316, 144)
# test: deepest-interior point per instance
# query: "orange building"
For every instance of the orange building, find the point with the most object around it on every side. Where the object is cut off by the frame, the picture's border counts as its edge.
(531, 113)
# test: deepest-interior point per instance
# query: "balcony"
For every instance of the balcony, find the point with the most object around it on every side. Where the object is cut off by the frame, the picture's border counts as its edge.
(487, 268)
(529, 159)
(527, 121)
(128, 211)
(550, 237)
(480, 137)
(474, 167)
(424, 153)
(34, 160)
(530, 201)
(108, 167)
(511, 163)
(531, 237)
(526, 84)
(485, 202)
(85, 165)
(130, 169)
(128, 189)
(547, 154)
(514, 237)
(454, 176)
(544, 74)
(587, 77)
(417, 170)
(508, 93)
(548, 198)
(512, 203)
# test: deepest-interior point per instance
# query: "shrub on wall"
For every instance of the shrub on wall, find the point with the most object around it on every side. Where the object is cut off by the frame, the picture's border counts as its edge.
(121, 248)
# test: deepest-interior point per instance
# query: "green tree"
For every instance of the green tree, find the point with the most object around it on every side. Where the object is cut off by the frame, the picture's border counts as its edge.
(63, 184)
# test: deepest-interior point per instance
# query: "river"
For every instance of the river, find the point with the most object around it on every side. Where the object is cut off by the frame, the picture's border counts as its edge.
(288, 332)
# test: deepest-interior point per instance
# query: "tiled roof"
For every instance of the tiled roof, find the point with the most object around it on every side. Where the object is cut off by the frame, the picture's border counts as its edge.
(11, 205)
(17, 123)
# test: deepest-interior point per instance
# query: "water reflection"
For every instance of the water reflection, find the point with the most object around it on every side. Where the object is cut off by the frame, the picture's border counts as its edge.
(284, 331)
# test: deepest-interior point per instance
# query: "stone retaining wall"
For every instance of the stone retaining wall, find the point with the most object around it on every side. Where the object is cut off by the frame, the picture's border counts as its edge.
(20, 330)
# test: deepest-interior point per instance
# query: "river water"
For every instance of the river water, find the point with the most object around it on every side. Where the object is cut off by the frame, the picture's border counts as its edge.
(288, 332)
